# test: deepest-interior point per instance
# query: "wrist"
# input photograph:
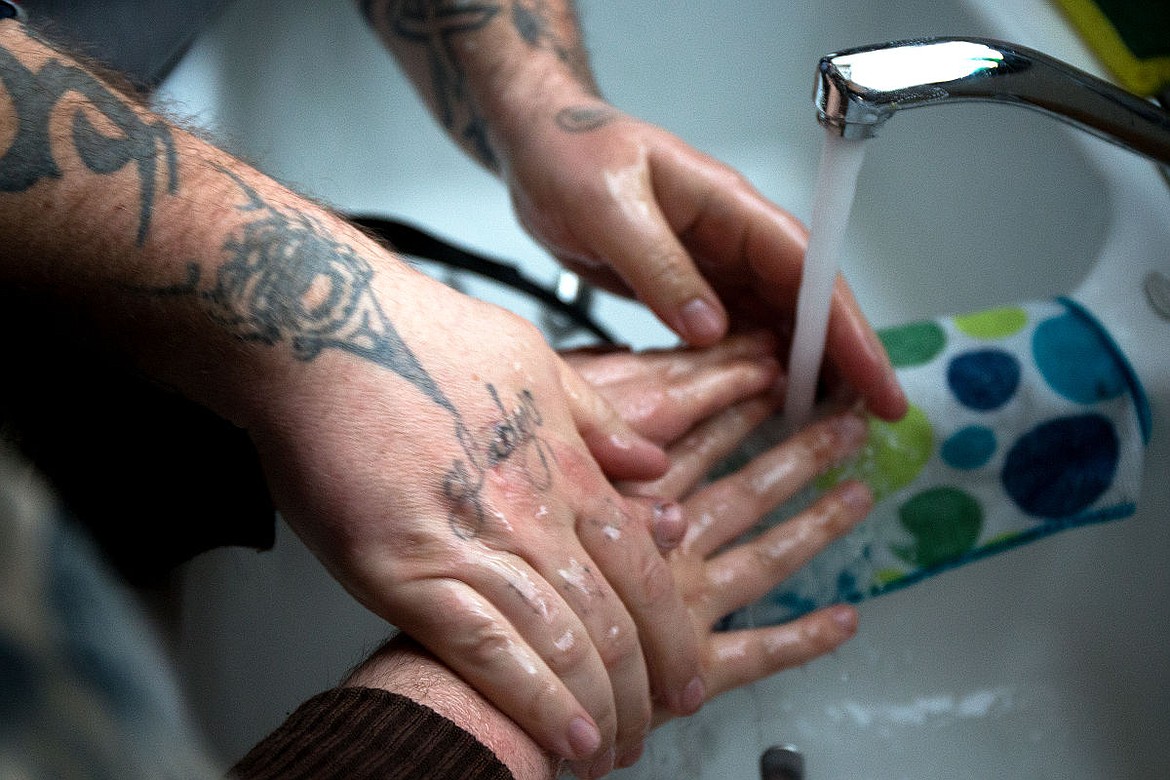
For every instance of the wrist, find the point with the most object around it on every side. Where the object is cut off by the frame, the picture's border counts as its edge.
(402, 666)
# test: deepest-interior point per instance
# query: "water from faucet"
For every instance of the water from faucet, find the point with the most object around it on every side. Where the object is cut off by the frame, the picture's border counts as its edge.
(836, 185)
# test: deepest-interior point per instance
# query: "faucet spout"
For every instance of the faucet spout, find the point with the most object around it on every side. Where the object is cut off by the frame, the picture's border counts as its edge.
(859, 89)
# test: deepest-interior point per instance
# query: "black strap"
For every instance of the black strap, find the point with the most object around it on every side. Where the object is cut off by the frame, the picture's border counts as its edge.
(413, 241)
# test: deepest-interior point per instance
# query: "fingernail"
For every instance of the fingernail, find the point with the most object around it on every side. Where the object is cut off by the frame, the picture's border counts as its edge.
(584, 738)
(669, 527)
(845, 618)
(892, 387)
(702, 322)
(857, 496)
(694, 695)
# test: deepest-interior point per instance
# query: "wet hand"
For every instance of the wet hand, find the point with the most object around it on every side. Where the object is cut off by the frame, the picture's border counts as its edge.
(634, 210)
(663, 393)
(716, 576)
(454, 474)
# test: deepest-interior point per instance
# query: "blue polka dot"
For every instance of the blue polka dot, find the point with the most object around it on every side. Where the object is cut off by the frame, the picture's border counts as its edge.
(847, 587)
(984, 379)
(969, 448)
(1076, 360)
(1060, 467)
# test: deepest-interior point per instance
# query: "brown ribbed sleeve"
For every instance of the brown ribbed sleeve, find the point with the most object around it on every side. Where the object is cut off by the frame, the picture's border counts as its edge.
(357, 733)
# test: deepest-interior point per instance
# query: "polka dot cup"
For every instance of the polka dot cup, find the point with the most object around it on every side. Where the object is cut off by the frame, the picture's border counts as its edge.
(1024, 420)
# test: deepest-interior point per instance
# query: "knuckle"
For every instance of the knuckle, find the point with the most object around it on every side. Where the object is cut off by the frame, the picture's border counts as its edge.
(667, 268)
(569, 655)
(817, 639)
(543, 703)
(484, 639)
(619, 646)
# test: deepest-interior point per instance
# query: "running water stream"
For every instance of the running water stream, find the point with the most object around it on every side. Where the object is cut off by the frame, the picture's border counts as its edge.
(832, 200)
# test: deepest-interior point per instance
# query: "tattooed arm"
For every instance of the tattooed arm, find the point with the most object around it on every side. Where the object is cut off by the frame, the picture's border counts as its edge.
(445, 466)
(628, 206)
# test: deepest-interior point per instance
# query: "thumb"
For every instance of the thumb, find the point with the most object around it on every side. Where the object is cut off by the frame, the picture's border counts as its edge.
(619, 450)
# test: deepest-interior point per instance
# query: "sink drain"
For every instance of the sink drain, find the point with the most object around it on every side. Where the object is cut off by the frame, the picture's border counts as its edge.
(782, 763)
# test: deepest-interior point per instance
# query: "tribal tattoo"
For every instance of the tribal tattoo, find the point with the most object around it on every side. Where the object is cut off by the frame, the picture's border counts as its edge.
(147, 144)
(288, 281)
(585, 119)
(435, 25)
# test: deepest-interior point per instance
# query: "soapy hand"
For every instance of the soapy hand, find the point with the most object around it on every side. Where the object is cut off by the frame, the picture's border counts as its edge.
(717, 575)
(662, 393)
(482, 522)
(459, 486)
(636, 211)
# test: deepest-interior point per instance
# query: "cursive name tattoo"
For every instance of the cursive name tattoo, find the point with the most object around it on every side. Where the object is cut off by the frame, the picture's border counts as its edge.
(146, 144)
(513, 438)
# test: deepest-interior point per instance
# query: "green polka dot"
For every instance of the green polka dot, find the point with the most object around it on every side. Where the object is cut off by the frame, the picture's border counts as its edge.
(913, 345)
(993, 323)
(892, 457)
(945, 523)
(888, 576)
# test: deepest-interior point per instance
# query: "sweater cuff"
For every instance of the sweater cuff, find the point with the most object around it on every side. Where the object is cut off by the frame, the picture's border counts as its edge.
(367, 733)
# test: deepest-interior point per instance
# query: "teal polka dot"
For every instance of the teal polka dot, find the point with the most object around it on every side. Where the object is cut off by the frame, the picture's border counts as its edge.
(969, 448)
(1076, 360)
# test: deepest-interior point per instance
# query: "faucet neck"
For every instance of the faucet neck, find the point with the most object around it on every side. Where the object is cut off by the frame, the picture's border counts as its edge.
(858, 90)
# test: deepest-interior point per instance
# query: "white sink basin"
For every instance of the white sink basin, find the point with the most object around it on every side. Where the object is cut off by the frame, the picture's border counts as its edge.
(1046, 661)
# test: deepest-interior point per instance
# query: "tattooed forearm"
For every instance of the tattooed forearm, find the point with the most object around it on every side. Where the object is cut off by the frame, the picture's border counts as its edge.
(287, 280)
(438, 25)
(533, 20)
(434, 25)
(34, 96)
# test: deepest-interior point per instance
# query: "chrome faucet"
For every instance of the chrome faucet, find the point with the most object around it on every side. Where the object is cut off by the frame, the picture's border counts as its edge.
(859, 89)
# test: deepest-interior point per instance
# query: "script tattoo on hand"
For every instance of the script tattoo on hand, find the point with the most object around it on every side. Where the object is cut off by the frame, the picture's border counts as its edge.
(287, 280)
(36, 95)
(514, 437)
